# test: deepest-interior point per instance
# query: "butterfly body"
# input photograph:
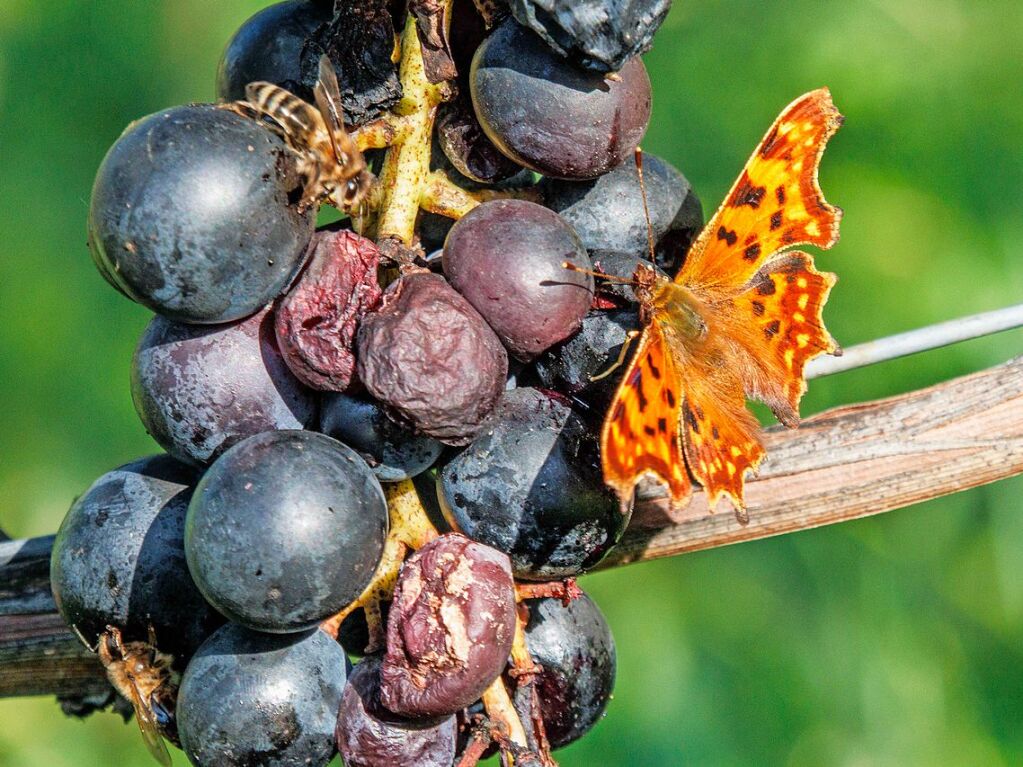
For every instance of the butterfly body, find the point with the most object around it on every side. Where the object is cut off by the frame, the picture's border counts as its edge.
(740, 319)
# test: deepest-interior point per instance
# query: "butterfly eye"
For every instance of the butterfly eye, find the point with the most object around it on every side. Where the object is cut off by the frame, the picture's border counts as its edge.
(351, 189)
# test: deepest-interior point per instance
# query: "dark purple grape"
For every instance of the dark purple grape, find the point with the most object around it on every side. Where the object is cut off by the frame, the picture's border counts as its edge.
(200, 389)
(431, 358)
(574, 648)
(250, 699)
(393, 452)
(194, 215)
(119, 558)
(268, 46)
(368, 735)
(551, 116)
(570, 367)
(607, 212)
(450, 629)
(597, 34)
(531, 486)
(506, 257)
(317, 319)
(285, 529)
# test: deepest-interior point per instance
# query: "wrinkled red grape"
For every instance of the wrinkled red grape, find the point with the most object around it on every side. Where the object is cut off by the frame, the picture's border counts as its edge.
(432, 359)
(450, 629)
(316, 321)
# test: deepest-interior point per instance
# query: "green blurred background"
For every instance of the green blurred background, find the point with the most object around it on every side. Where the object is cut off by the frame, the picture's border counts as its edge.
(893, 640)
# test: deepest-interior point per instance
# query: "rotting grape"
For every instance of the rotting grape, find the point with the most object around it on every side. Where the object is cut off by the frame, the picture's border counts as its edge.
(369, 735)
(316, 320)
(201, 389)
(596, 34)
(285, 529)
(551, 116)
(430, 357)
(261, 699)
(392, 451)
(607, 212)
(450, 629)
(530, 485)
(119, 560)
(507, 258)
(194, 215)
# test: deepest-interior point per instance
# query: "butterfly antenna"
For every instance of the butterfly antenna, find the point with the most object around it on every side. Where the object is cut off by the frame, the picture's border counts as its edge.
(600, 275)
(646, 206)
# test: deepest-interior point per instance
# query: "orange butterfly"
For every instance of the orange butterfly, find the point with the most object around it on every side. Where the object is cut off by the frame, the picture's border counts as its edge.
(740, 319)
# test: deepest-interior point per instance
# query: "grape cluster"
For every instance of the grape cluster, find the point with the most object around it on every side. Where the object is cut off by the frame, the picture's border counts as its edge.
(374, 451)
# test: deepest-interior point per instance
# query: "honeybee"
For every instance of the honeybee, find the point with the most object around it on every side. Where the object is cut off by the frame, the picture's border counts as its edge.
(143, 676)
(331, 164)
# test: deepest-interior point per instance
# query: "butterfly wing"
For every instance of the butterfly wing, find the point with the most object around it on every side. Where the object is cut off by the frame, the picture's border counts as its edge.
(721, 437)
(641, 434)
(778, 328)
(775, 203)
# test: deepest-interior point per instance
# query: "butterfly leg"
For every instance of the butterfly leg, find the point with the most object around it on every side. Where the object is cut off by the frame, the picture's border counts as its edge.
(629, 338)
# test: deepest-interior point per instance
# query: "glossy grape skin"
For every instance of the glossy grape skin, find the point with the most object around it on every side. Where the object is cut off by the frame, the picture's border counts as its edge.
(531, 486)
(284, 530)
(193, 215)
(368, 735)
(607, 212)
(572, 366)
(268, 46)
(250, 699)
(393, 452)
(551, 116)
(201, 389)
(575, 650)
(506, 257)
(119, 559)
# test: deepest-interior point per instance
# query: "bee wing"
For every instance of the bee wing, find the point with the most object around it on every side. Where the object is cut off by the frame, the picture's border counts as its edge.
(149, 728)
(328, 99)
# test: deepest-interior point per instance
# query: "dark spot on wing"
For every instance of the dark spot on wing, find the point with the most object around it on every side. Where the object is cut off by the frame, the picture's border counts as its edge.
(776, 220)
(653, 368)
(687, 414)
(758, 308)
(715, 433)
(669, 397)
(766, 287)
(728, 236)
(779, 193)
(752, 253)
(662, 425)
(747, 194)
(771, 329)
(649, 431)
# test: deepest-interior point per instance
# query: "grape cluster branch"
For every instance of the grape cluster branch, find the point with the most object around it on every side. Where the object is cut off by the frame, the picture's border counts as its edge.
(842, 464)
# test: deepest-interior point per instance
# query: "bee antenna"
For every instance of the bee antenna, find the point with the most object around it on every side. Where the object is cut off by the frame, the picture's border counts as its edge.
(646, 206)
